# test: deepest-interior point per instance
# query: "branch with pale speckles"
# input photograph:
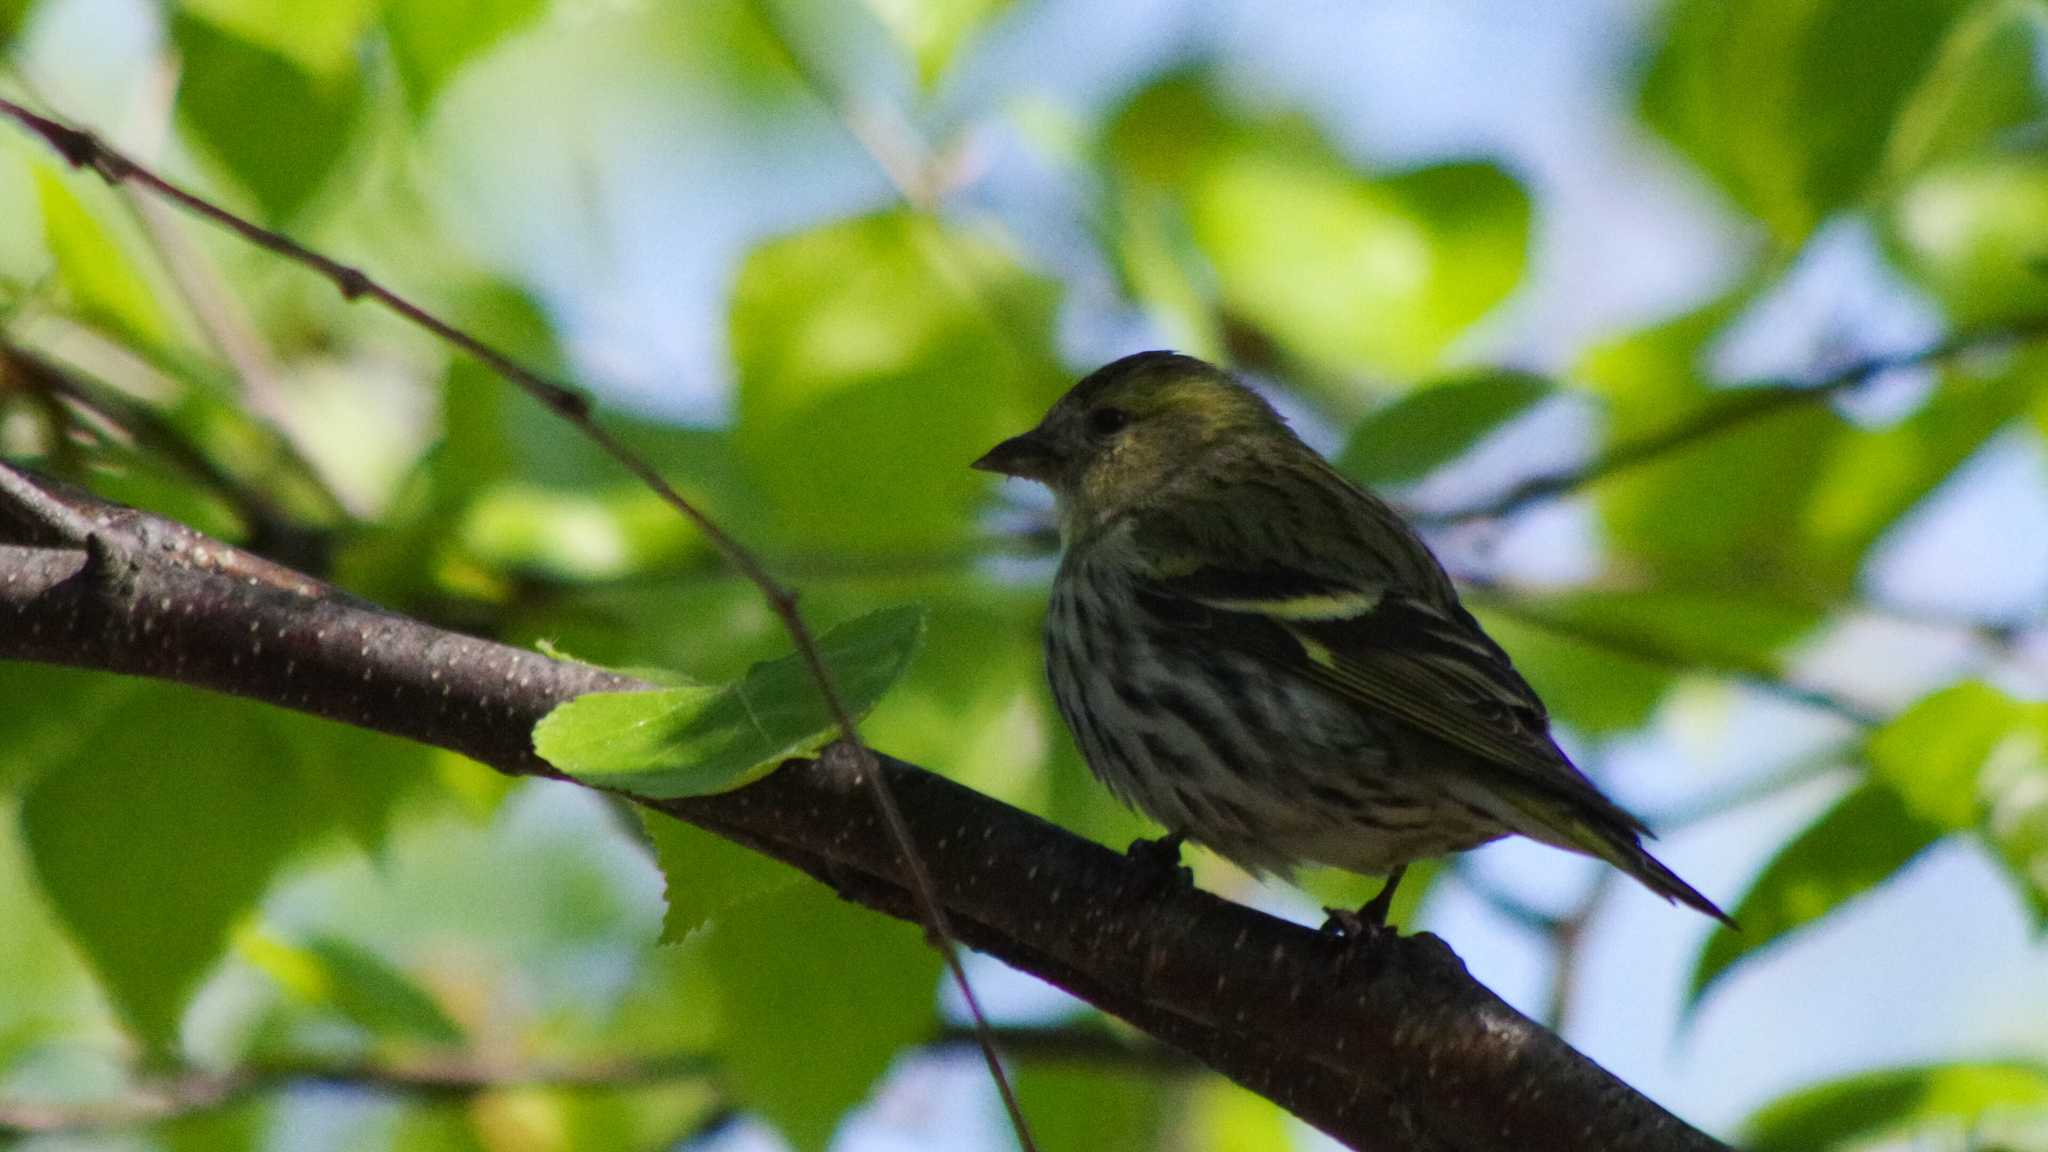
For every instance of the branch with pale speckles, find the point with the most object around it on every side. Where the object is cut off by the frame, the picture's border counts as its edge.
(1385, 1044)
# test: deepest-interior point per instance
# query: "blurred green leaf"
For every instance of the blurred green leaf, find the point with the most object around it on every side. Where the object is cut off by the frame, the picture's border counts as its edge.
(818, 996)
(1789, 107)
(932, 31)
(102, 283)
(13, 14)
(703, 738)
(317, 36)
(877, 357)
(278, 129)
(369, 991)
(150, 846)
(229, 1129)
(1975, 233)
(1856, 845)
(707, 875)
(1971, 757)
(1355, 274)
(1603, 659)
(1872, 478)
(1421, 431)
(1079, 1109)
(1722, 510)
(1586, 684)
(1227, 1118)
(431, 40)
(1862, 1110)
(1982, 89)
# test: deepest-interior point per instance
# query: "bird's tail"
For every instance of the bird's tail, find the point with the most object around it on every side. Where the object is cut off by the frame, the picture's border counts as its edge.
(1617, 839)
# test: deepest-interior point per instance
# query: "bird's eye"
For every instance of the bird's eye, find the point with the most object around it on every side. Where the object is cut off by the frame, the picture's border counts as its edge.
(1108, 421)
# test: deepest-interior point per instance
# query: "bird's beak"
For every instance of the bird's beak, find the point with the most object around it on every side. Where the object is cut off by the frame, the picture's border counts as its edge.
(1027, 457)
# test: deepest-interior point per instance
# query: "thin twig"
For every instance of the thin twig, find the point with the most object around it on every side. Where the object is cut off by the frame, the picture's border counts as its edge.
(84, 150)
(1743, 407)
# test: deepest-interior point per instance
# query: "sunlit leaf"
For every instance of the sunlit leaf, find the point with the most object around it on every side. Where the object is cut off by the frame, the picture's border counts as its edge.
(1968, 757)
(277, 128)
(1789, 107)
(932, 31)
(1975, 232)
(707, 738)
(818, 996)
(707, 875)
(1406, 439)
(1855, 846)
(318, 36)
(877, 357)
(1940, 1103)
(1359, 275)
(1227, 1118)
(99, 279)
(431, 41)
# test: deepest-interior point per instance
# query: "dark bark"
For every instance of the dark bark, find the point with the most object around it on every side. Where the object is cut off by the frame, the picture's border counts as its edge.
(1385, 1044)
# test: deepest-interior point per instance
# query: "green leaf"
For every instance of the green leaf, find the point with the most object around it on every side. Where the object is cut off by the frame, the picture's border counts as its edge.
(1719, 510)
(1971, 757)
(1421, 431)
(102, 283)
(707, 875)
(877, 357)
(1587, 684)
(1078, 1109)
(1975, 233)
(818, 996)
(1257, 216)
(1355, 275)
(699, 739)
(1608, 656)
(432, 41)
(932, 31)
(1790, 107)
(367, 989)
(317, 36)
(1858, 844)
(1981, 91)
(158, 833)
(1872, 478)
(1940, 1103)
(278, 129)
(13, 15)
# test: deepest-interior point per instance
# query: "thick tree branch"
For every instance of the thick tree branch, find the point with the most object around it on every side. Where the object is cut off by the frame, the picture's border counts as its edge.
(1385, 1044)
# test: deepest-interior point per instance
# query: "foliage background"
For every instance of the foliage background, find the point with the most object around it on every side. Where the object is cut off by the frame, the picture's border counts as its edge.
(827, 253)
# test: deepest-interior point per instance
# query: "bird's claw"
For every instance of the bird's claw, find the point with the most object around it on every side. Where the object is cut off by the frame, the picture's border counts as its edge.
(1159, 860)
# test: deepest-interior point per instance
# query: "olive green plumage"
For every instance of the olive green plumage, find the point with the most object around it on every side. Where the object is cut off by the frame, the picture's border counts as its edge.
(1263, 657)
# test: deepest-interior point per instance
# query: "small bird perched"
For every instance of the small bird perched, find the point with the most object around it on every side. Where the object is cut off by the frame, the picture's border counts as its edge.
(1263, 657)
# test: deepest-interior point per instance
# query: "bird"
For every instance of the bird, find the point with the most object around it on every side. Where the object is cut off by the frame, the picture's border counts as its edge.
(1266, 659)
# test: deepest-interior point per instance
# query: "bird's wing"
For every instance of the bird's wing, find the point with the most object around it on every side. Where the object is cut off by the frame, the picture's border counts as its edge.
(1409, 653)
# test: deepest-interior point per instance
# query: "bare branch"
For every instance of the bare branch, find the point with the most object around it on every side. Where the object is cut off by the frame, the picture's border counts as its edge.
(1386, 1044)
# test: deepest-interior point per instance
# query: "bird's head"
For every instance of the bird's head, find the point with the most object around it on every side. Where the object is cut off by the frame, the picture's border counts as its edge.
(1116, 438)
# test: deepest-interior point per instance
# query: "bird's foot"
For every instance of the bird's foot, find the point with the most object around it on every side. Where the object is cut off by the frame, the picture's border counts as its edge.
(1159, 862)
(1370, 921)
